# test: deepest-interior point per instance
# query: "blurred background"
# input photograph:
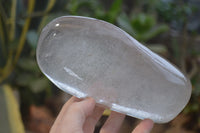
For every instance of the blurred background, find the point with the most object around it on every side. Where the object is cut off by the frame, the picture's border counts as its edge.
(29, 102)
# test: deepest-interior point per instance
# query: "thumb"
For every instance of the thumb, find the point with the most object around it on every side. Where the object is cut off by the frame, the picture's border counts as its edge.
(76, 114)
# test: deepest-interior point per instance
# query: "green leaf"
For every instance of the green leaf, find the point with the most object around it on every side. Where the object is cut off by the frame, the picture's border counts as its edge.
(142, 23)
(73, 6)
(4, 120)
(146, 36)
(114, 10)
(10, 120)
(39, 85)
(32, 38)
(124, 23)
(24, 79)
(28, 64)
(141, 27)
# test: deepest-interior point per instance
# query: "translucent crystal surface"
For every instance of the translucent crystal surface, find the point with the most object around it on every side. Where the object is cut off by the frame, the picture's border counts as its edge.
(89, 57)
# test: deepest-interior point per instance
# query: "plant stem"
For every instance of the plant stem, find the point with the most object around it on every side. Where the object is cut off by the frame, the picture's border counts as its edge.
(12, 21)
(2, 37)
(7, 68)
(24, 31)
(194, 69)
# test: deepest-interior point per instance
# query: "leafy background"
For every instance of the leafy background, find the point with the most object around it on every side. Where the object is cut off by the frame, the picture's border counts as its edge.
(170, 28)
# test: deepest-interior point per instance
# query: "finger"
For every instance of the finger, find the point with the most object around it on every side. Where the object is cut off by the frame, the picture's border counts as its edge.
(113, 123)
(76, 115)
(67, 104)
(73, 116)
(64, 109)
(92, 120)
(144, 127)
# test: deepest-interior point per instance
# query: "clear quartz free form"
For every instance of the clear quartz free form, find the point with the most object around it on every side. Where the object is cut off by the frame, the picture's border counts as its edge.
(89, 57)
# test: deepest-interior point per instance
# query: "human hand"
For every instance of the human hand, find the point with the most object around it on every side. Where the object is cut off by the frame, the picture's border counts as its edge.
(81, 116)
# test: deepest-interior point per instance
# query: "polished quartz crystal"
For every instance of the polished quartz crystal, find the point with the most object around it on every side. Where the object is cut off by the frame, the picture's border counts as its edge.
(89, 57)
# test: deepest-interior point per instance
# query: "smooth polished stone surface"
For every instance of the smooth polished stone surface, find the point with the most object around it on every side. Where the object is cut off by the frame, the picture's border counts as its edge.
(89, 57)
